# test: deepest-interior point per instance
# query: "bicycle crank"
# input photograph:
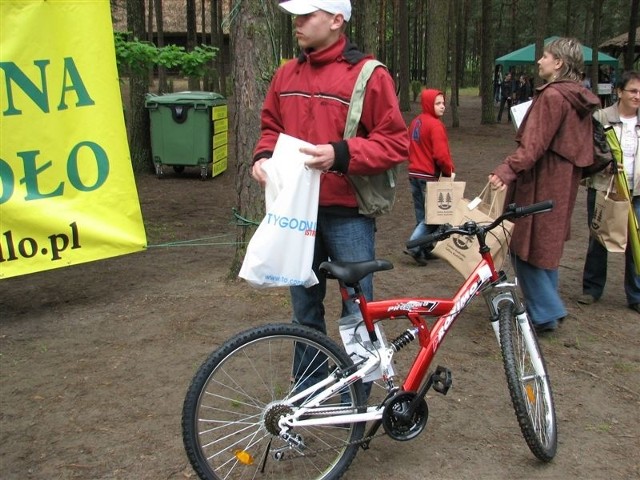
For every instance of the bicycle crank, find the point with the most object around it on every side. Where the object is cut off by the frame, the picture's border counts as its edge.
(402, 418)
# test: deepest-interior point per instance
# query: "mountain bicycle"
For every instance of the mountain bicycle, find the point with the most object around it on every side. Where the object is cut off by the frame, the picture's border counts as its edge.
(284, 401)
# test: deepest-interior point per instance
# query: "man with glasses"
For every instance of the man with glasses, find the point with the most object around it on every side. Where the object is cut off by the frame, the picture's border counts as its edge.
(624, 117)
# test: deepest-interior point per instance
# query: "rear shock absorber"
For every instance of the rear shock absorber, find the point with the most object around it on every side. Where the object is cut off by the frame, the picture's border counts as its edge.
(404, 339)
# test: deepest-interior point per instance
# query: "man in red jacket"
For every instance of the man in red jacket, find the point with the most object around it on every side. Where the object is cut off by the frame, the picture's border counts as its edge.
(309, 99)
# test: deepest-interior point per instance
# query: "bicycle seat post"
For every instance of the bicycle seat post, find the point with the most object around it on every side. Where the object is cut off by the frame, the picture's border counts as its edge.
(358, 298)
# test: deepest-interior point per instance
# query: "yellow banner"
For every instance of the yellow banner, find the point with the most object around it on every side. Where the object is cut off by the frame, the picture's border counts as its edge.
(68, 193)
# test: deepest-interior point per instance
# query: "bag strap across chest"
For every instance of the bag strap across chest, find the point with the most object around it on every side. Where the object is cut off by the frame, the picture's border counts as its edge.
(357, 98)
(375, 193)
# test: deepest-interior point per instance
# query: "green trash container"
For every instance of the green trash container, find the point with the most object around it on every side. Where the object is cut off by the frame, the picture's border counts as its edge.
(188, 129)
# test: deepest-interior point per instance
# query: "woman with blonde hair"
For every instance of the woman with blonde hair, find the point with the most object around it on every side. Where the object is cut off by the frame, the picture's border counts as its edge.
(555, 142)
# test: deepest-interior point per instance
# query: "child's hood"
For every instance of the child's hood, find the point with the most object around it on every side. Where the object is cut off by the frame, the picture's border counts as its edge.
(428, 99)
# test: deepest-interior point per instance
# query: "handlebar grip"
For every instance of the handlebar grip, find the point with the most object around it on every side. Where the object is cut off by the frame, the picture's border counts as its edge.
(418, 242)
(426, 240)
(430, 237)
(539, 207)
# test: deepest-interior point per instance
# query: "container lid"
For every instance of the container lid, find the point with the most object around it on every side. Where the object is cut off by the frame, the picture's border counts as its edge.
(185, 98)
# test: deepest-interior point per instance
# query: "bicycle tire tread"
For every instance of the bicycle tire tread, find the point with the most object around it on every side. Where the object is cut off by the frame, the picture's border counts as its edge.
(542, 452)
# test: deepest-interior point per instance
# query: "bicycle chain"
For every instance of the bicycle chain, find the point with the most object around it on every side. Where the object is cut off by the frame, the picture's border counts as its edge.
(344, 444)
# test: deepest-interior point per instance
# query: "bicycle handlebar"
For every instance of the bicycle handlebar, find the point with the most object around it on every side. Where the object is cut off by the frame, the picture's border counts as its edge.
(472, 228)
(539, 207)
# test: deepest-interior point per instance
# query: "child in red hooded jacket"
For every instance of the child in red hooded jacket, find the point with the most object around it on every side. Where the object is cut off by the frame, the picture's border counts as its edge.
(429, 158)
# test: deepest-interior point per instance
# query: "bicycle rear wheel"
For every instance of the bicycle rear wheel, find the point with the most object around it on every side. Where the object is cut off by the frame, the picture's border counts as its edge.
(232, 408)
(528, 381)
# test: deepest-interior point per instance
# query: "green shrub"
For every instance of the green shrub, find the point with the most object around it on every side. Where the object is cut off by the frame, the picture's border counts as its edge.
(136, 56)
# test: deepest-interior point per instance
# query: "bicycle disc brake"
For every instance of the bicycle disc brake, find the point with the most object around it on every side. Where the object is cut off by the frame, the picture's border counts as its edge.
(398, 422)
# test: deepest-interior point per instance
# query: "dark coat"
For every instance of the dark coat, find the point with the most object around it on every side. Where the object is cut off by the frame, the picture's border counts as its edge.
(555, 141)
(523, 91)
(508, 88)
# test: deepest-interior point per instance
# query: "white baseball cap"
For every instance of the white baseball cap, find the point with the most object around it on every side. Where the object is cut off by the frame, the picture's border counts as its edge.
(304, 7)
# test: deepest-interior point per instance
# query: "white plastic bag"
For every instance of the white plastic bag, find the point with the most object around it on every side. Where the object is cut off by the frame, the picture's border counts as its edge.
(280, 253)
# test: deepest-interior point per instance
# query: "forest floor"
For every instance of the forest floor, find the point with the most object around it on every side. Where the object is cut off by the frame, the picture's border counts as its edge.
(95, 359)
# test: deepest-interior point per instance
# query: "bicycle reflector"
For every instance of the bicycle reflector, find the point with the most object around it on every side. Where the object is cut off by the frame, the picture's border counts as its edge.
(244, 457)
(531, 394)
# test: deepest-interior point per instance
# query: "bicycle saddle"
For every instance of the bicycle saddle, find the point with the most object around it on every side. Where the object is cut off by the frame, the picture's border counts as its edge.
(352, 272)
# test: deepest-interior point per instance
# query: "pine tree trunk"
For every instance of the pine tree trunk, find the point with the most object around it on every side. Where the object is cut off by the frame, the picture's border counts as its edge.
(486, 64)
(629, 53)
(163, 85)
(437, 44)
(403, 63)
(192, 39)
(595, 41)
(286, 36)
(139, 135)
(455, 22)
(252, 69)
(541, 33)
(217, 40)
(381, 33)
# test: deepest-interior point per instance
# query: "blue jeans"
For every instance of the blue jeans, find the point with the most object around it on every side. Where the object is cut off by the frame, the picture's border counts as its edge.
(418, 188)
(594, 275)
(417, 192)
(540, 289)
(347, 239)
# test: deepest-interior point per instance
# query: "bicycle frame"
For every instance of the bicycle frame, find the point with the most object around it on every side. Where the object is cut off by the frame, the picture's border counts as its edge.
(483, 279)
(417, 310)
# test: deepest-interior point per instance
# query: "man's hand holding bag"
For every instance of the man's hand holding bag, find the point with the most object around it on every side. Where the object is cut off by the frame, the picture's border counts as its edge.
(280, 253)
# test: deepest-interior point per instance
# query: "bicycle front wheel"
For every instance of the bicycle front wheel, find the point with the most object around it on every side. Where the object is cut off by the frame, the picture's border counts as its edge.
(231, 413)
(528, 381)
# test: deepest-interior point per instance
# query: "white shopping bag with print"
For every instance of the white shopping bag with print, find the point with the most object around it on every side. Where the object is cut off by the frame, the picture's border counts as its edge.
(280, 253)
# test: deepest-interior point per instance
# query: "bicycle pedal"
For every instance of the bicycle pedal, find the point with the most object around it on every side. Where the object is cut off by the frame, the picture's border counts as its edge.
(441, 380)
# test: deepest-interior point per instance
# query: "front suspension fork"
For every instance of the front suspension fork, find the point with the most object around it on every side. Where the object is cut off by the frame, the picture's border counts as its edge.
(495, 295)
